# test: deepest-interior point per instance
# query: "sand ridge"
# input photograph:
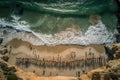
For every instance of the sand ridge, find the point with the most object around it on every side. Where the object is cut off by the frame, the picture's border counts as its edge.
(56, 49)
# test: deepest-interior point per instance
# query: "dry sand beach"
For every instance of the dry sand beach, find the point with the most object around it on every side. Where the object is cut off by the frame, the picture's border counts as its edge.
(68, 53)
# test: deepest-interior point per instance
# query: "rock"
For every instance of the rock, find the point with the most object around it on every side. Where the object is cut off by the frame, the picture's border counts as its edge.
(117, 35)
(12, 69)
(112, 71)
(114, 76)
(20, 78)
(3, 51)
(5, 32)
(105, 76)
(1, 40)
(113, 51)
(3, 66)
(113, 65)
(5, 58)
(9, 72)
(12, 77)
(93, 19)
(116, 51)
(2, 77)
(96, 76)
(100, 76)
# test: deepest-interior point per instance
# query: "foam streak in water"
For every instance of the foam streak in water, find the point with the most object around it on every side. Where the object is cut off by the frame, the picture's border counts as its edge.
(97, 34)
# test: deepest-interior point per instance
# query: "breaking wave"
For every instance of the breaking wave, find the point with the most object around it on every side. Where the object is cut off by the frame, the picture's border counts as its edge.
(16, 28)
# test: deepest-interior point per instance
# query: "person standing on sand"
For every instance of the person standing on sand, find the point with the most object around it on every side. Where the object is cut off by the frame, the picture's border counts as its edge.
(10, 49)
(33, 71)
(50, 73)
(85, 60)
(78, 75)
(30, 47)
(17, 62)
(43, 72)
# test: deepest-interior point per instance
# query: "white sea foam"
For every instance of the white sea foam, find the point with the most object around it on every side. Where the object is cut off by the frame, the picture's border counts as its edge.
(15, 22)
(97, 34)
(61, 10)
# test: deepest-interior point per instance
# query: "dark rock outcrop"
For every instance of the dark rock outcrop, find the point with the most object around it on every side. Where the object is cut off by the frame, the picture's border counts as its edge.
(116, 51)
(8, 72)
(3, 51)
(1, 40)
(112, 71)
(5, 58)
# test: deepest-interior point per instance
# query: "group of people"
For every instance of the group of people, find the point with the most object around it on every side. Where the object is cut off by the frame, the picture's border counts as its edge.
(90, 63)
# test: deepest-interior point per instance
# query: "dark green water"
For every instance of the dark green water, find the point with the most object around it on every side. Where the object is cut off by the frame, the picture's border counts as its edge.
(75, 7)
(51, 16)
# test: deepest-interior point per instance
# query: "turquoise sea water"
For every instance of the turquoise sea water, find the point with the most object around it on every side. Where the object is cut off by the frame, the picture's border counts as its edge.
(51, 16)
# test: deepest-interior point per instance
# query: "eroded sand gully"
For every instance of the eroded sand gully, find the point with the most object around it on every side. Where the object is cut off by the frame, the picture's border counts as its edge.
(60, 60)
